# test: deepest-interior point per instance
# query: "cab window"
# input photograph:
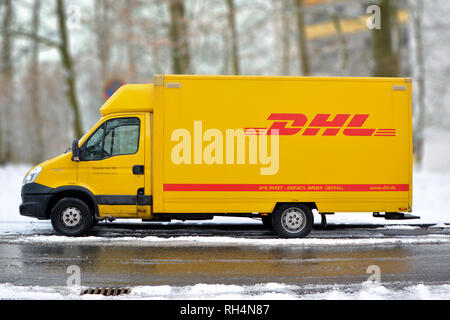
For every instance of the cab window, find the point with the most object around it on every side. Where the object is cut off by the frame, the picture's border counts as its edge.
(114, 137)
(93, 149)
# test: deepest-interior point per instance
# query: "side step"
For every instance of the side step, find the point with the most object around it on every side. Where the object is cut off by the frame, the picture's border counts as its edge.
(395, 216)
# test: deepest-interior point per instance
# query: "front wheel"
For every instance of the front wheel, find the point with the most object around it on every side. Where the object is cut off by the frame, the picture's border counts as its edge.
(292, 220)
(71, 217)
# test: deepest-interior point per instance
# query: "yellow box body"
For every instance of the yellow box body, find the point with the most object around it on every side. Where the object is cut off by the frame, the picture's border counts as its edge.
(344, 145)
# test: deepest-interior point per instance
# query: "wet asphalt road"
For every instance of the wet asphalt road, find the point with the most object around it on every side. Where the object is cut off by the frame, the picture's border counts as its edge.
(45, 264)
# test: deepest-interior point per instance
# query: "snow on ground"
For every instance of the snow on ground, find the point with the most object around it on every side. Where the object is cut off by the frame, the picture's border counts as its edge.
(217, 241)
(11, 177)
(371, 292)
(266, 291)
(11, 222)
(431, 201)
(402, 227)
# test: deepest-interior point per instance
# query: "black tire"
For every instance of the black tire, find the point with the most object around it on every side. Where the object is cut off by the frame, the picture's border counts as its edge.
(71, 217)
(292, 220)
(267, 222)
(94, 222)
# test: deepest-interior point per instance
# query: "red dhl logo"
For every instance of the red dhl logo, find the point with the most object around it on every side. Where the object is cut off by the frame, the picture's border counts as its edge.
(287, 124)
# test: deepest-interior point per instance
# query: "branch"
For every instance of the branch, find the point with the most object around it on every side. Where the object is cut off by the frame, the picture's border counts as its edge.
(33, 36)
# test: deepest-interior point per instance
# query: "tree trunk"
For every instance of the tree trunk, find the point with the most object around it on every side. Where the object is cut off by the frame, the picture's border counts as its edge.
(234, 37)
(103, 28)
(419, 130)
(285, 39)
(302, 41)
(38, 143)
(282, 26)
(69, 72)
(7, 83)
(226, 54)
(386, 60)
(129, 10)
(178, 35)
(340, 36)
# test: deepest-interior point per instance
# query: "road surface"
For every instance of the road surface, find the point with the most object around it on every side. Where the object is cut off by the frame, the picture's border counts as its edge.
(104, 263)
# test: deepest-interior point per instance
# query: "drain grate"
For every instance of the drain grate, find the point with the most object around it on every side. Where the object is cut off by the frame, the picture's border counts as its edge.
(106, 291)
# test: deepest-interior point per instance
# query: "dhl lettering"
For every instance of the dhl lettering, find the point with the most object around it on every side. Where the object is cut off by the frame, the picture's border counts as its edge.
(299, 120)
(289, 187)
(288, 124)
(321, 120)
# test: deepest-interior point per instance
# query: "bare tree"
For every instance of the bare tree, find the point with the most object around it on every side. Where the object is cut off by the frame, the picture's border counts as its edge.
(178, 34)
(302, 41)
(343, 50)
(63, 46)
(417, 9)
(68, 66)
(226, 54)
(157, 39)
(282, 25)
(103, 26)
(38, 143)
(234, 37)
(285, 36)
(7, 81)
(129, 11)
(386, 60)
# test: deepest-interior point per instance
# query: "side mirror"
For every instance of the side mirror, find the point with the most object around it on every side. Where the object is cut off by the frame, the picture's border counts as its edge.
(75, 151)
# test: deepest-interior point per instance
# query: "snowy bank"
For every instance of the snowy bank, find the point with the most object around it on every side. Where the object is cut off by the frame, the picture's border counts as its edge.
(218, 241)
(264, 291)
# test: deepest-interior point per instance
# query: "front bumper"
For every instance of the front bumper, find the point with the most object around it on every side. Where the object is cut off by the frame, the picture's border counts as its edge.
(35, 198)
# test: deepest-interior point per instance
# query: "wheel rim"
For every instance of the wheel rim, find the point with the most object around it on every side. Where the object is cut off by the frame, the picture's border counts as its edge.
(71, 217)
(293, 220)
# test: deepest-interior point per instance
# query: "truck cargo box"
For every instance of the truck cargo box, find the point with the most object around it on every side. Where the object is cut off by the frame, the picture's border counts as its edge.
(343, 144)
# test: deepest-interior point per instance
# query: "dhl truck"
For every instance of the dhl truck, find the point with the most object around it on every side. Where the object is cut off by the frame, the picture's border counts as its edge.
(195, 147)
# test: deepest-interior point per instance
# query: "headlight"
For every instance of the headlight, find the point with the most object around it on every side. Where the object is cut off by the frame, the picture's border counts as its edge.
(32, 175)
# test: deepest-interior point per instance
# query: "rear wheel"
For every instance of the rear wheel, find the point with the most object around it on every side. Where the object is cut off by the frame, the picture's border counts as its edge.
(71, 217)
(292, 220)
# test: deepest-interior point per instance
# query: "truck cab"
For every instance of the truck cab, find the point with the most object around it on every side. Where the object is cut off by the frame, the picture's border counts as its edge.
(106, 176)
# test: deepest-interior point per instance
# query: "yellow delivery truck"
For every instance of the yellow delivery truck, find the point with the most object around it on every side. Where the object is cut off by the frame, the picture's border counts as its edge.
(195, 147)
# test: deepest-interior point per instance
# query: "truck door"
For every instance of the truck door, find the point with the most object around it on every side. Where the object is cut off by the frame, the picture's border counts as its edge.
(112, 165)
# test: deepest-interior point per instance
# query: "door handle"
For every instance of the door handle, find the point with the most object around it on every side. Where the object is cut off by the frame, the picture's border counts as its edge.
(138, 169)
